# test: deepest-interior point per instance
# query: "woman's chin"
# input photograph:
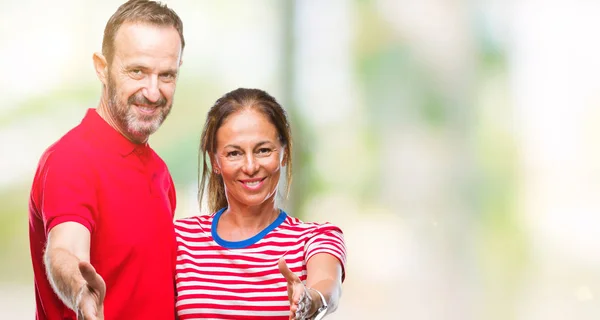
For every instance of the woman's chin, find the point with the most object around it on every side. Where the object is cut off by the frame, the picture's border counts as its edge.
(255, 200)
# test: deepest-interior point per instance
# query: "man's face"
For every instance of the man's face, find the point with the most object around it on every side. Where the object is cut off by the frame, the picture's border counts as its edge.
(142, 76)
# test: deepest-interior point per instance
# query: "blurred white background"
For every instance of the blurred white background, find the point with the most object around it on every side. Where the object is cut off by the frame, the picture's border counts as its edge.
(455, 142)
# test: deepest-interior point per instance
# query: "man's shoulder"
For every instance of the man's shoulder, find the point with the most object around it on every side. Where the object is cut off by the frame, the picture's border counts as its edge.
(76, 136)
(71, 147)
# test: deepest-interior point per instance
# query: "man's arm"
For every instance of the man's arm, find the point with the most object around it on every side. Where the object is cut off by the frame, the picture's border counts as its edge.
(68, 245)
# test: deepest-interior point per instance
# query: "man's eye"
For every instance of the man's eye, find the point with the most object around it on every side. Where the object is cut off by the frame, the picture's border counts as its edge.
(167, 76)
(136, 72)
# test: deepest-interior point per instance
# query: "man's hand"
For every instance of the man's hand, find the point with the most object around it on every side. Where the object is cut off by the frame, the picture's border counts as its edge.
(90, 302)
(300, 300)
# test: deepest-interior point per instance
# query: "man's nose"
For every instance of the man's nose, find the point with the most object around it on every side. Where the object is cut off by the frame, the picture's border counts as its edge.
(151, 91)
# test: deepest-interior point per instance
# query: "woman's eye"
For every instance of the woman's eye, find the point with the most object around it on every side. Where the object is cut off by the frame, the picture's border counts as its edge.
(233, 153)
(264, 151)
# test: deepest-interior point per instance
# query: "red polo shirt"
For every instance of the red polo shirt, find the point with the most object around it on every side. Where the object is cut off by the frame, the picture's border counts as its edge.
(123, 193)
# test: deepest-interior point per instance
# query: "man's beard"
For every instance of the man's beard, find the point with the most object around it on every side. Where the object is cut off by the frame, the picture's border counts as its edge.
(139, 126)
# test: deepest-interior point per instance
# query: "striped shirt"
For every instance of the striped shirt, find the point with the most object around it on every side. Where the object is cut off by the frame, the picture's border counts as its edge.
(219, 279)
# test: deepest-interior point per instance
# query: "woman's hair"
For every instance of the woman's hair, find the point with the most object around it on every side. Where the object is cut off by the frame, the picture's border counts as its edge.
(230, 103)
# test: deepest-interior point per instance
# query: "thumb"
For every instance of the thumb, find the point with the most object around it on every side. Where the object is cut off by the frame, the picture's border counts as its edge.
(286, 272)
(93, 279)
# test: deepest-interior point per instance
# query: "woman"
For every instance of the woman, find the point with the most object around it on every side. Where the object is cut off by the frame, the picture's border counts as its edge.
(249, 259)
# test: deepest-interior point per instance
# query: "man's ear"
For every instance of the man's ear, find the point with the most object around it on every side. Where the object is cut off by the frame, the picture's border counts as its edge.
(101, 67)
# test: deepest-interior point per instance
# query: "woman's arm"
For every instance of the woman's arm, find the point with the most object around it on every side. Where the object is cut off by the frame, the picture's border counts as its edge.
(324, 273)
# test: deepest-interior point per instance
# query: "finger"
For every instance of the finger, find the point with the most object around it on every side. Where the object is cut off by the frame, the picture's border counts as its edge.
(286, 272)
(303, 306)
(88, 272)
(93, 279)
(298, 293)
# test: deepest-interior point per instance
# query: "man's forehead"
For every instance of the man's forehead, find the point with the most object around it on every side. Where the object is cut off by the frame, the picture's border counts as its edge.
(147, 40)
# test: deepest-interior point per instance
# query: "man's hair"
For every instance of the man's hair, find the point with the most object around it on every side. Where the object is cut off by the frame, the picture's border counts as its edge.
(139, 11)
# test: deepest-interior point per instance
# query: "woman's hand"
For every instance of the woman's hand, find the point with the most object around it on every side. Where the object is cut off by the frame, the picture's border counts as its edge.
(301, 302)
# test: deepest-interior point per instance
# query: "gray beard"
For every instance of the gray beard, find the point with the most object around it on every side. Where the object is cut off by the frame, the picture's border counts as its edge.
(138, 127)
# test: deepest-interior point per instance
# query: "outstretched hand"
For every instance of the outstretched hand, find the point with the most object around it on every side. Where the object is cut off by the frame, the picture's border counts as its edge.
(90, 303)
(300, 300)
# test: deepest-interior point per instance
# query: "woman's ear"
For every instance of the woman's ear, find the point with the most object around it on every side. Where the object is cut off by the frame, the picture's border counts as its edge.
(214, 165)
(284, 158)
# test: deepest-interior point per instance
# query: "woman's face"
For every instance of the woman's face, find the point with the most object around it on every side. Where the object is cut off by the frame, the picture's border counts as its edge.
(249, 157)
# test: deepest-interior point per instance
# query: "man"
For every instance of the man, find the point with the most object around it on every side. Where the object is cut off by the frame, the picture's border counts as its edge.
(101, 196)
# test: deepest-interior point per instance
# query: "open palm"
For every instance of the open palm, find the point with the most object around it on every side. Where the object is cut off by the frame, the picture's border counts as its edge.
(300, 301)
(91, 303)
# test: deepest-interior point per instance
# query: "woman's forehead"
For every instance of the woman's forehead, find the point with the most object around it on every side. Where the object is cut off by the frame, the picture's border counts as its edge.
(246, 126)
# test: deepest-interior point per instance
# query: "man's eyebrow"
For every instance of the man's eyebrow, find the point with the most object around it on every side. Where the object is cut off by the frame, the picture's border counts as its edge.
(136, 66)
(169, 71)
(146, 68)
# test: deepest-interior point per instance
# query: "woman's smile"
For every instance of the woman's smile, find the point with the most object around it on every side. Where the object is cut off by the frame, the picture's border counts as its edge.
(253, 184)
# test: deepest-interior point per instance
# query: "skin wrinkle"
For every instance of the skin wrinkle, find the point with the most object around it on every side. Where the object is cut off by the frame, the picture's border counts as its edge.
(130, 81)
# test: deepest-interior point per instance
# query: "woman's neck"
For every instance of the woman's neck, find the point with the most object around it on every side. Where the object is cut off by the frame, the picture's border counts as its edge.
(240, 222)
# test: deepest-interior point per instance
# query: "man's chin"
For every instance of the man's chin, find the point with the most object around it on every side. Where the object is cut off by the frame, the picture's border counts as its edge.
(148, 114)
(142, 126)
(141, 133)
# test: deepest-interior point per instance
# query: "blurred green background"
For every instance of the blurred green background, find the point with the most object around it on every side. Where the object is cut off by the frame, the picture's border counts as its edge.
(455, 142)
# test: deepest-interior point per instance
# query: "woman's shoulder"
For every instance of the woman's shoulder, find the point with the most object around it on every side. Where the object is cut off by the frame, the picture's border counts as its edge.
(193, 222)
(318, 227)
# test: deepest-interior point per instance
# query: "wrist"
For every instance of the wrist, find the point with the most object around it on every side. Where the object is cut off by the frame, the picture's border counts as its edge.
(319, 306)
(78, 296)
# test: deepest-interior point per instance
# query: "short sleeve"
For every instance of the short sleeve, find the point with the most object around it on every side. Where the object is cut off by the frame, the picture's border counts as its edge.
(67, 190)
(328, 238)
